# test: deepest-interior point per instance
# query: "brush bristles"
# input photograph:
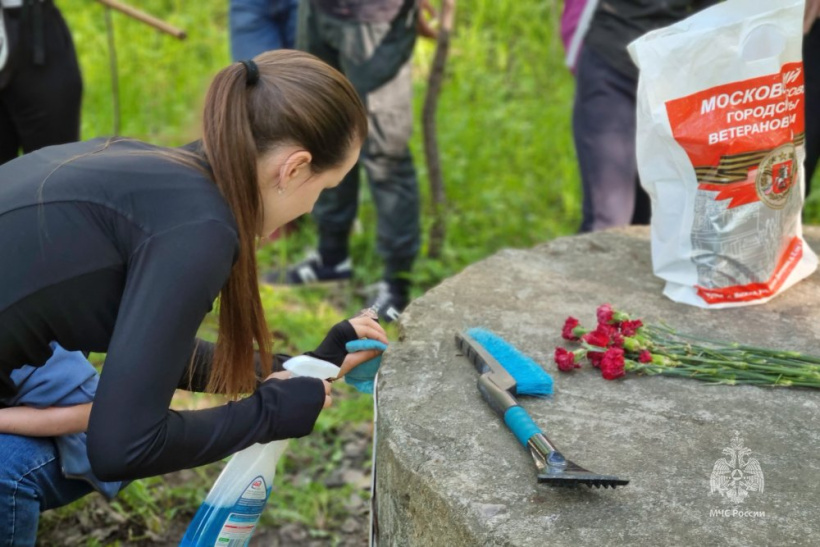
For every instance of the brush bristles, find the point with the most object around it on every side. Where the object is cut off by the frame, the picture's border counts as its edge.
(529, 377)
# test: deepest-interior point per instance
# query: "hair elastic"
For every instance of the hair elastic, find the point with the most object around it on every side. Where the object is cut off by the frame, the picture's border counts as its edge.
(252, 75)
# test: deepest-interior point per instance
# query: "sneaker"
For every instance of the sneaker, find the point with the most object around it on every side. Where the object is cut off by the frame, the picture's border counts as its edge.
(311, 271)
(387, 303)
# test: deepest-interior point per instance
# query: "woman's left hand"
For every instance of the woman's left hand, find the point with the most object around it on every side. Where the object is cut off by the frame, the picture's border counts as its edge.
(365, 327)
(333, 348)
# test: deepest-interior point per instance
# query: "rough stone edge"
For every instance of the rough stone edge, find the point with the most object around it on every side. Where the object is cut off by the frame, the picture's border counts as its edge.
(409, 495)
(400, 480)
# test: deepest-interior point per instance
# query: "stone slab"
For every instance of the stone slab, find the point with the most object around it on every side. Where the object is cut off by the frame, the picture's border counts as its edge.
(448, 473)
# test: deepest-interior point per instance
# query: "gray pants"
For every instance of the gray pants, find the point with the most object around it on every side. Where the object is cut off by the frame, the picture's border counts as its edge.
(375, 57)
(603, 123)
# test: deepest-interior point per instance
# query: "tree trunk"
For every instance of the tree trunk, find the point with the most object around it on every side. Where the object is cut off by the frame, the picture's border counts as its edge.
(428, 120)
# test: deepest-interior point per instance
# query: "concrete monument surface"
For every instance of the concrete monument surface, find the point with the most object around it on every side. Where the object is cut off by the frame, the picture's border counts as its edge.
(449, 473)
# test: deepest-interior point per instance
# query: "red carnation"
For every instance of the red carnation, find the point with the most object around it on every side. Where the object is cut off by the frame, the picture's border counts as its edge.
(604, 313)
(565, 360)
(630, 328)
(609, 330)
(595, 358)
(617, 340)
(612, 365)
(567, 333)
(645, 356)
(597, 338)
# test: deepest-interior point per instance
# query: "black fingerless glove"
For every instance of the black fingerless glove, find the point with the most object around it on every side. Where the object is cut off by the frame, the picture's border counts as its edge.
(332, 348)
(290, 406)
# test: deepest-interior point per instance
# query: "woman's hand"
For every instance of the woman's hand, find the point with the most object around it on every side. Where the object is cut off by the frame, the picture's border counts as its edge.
(284, 375)
(333, 347)
(365, 327)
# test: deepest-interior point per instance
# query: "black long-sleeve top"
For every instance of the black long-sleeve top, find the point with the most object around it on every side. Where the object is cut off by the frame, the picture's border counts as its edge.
(118, 249)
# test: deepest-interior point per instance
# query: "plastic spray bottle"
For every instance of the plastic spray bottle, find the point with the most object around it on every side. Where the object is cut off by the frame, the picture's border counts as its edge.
(230, 512)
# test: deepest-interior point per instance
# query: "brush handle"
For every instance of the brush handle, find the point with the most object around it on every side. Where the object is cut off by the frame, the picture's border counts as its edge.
(530, 436)
(520, 423)
(505, 405)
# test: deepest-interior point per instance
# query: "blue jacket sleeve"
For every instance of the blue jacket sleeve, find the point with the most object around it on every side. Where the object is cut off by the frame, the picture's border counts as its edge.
(66, 379)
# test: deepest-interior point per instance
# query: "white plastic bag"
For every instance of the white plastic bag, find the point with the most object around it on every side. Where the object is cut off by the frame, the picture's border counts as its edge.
(720, 151)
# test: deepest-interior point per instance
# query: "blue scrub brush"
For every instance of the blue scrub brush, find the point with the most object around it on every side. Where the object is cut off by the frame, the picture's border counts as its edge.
(530, 378)
(506, 372)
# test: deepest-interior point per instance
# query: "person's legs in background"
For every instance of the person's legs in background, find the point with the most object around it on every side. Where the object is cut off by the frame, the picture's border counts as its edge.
(9, 140)
(811, 64)
(287, 19)
(40, 99)
(261, 25)
(604, 134)
(375, 57)
(336, 210)
(393, 184)
(31, 482)
(642, 214)
(256, 26)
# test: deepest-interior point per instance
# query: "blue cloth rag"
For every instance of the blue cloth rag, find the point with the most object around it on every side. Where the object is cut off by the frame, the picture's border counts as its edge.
(66, 379)
(362, 376)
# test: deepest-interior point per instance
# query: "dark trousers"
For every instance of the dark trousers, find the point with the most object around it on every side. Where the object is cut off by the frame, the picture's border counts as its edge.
(811, 64)
(257, 26)
(39, 99)
(376, 59)
(603, 123)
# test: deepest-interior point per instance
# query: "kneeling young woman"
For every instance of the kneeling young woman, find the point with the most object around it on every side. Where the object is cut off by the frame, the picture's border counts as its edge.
(122, 247)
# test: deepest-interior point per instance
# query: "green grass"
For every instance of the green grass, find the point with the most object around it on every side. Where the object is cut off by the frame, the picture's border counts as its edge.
(162, 80)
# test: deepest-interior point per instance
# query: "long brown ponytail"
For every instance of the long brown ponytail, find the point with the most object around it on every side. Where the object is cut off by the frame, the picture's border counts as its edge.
(299, 100)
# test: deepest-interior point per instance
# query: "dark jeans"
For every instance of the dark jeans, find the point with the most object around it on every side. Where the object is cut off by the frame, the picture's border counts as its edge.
(376, 59)
(811, 64)
(39, 103)
(603, 123)
(261, 25)
(31, 482)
